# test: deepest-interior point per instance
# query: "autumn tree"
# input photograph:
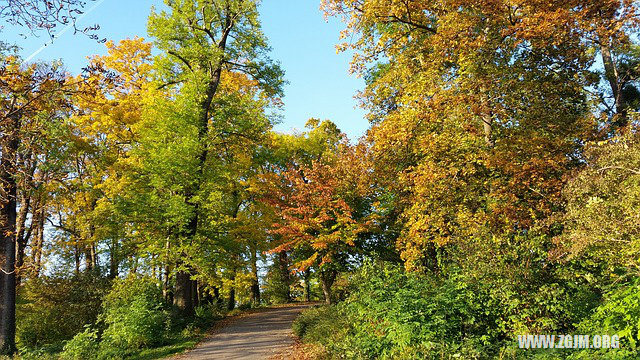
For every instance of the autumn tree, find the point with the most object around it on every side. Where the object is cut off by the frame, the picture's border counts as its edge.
(34, 100)
(477, 111)
(317, 208)
(106, 116)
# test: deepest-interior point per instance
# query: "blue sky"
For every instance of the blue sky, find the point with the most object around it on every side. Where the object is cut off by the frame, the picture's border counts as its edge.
(319, 81)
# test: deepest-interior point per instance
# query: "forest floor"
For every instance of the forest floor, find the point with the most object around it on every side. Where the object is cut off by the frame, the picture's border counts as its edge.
(260, 335)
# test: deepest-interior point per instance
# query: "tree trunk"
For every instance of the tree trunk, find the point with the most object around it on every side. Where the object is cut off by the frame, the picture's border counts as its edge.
(22, 237)
(232, 299)
(327, 277)
(307, 285)
(76, 257)
(232, 292)
(216, 295)
(195, 294)
(283, 262)
(182, 279)
(486, 117)
(255, 285)
(89, 259)
(613, 78)
(113, 260)
(166, 292)
(134, 266)
(255, 292)
(37, 231)
(37, 244)
(182, 296)
(8, 218)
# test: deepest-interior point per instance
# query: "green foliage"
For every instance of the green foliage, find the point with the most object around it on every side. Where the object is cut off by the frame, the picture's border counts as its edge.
(134, 315)
(394, 314)
(530, 293)
(391, 314)
(319, 324)
(54, 309)
(205, 315)
(277, 288)
(83, 346)
(601, 220)
(619, 314)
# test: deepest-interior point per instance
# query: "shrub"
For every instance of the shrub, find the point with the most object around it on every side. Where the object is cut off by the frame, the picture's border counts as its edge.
(394, 314)
(391, 314)
(318, 324)
(134, 314)
(619, 314)
(53, 309)
(205, 315)
(83, 346)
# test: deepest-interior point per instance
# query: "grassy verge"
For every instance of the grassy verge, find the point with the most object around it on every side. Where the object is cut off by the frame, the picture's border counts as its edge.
(316, 328)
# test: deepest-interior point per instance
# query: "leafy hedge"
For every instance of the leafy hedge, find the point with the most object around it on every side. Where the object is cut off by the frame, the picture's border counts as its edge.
(392, 314)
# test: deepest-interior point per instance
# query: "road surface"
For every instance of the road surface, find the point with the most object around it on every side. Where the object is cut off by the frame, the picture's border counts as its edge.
(261, 335)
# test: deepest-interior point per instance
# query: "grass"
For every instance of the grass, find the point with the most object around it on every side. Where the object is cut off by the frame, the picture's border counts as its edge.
(176, 346)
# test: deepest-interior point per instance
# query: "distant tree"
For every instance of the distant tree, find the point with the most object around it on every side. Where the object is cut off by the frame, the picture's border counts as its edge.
(320, 216)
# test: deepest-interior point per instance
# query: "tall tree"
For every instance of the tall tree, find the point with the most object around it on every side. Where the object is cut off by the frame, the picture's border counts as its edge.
(31, 96)
(201, 40)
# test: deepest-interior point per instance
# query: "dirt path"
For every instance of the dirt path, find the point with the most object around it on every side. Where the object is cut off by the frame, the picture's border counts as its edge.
(260, 335)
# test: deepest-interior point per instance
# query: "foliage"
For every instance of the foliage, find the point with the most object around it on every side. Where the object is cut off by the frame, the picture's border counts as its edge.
(277, 289)
(83, 346)
(320, 324)
(134, 315)
(495, 194)
(395, 315)
(316, 213)
(603, 207)
(53, 309)
(389, 313)
(205, 315)
(618, 314)
(471, 129)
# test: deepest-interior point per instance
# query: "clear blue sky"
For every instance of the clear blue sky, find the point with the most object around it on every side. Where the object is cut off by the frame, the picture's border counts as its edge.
(319, 81)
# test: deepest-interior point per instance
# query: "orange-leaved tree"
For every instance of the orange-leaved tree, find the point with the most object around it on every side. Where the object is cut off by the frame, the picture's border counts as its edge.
(322, 214)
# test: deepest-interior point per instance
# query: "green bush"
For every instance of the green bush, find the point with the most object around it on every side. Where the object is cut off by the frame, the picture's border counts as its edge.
(318, 324)
(134, 315)
(205, 315)
(394, 314)
(391, 314)
(619, 314)
(53, 309)
(83, 346)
